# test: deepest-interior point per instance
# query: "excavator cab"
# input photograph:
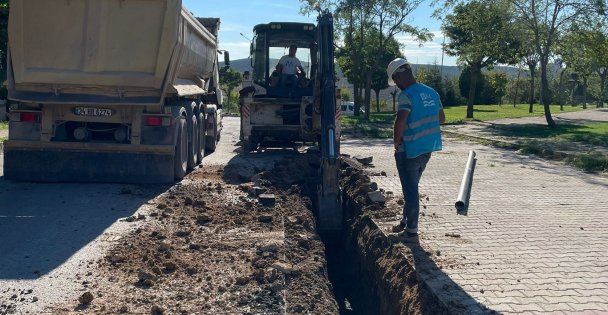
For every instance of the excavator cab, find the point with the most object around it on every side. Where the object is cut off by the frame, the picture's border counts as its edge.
(271, 42)
(302, 109)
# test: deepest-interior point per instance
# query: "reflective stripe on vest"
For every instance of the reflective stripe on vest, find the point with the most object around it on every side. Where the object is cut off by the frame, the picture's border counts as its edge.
(421, 134)
(423, 121)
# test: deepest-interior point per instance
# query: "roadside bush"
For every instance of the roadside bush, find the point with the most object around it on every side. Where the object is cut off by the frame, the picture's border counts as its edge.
(593, 162)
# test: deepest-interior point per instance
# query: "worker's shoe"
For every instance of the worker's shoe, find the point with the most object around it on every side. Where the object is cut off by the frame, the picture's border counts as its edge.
(399, 227)
(408, 237)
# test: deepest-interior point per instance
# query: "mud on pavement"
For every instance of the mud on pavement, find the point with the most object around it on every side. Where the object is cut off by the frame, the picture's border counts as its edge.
(211, 245)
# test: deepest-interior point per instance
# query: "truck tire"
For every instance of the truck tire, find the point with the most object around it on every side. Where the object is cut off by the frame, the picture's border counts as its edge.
(211, 141)
(181, 150)
(250, 145)
(201, 137)
(193, 144)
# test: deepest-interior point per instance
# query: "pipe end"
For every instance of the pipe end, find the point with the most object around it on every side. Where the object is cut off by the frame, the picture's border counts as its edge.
(460, 205)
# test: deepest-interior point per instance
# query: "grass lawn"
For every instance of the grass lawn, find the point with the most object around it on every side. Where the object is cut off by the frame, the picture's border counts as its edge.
(591, 133)
(380, 118)
(3, 126)
(457, 114)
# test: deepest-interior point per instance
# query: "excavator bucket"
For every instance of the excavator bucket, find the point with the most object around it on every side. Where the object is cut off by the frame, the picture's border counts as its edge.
(329, 216)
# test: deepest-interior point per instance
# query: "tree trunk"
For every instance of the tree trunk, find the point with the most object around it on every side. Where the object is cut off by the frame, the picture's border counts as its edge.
(544, 87)
(516, 87)
(368, 94)
(356, 98)
(561, 89)
(377, 100)
(532, 75)
(585, 92)
(473, 84)
(602, 89)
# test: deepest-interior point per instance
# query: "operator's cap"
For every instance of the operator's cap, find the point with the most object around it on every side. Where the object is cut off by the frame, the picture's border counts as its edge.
(393, 66)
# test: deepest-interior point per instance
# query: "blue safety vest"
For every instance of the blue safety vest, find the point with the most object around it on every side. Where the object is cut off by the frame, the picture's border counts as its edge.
(423, 133)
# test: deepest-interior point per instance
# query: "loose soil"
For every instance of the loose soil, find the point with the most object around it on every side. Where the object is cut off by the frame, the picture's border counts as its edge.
(212, 246)
(225, 241)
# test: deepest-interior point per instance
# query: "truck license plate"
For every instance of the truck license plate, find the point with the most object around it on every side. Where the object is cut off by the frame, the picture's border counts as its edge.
(90, 111)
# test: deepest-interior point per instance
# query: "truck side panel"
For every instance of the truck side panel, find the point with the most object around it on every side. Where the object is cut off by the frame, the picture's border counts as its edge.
(106, 90)
(93, 42)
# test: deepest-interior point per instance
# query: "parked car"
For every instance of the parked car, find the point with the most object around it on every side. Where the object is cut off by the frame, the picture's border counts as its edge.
(348, 108)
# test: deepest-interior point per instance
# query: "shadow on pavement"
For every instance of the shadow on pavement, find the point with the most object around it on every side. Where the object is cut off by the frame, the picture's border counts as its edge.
(43, 225)
(443, 287)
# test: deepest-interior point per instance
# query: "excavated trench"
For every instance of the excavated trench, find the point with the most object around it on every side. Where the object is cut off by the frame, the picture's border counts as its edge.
(370, 273)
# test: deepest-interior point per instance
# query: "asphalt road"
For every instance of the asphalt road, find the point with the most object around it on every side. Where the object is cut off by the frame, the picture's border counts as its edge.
(53, 233)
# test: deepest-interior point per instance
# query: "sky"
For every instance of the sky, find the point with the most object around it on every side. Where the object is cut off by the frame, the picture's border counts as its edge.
(240, 16)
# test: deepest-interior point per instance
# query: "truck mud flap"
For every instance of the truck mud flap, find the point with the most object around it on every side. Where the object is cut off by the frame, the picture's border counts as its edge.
(75, 166)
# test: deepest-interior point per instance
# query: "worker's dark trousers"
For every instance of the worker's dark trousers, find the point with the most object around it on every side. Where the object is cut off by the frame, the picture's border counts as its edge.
(410, 171)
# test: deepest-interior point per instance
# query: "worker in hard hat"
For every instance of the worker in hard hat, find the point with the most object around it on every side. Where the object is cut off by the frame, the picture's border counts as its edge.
(416, 135)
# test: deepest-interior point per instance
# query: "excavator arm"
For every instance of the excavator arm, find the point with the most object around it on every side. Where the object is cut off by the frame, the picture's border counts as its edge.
(329, 195)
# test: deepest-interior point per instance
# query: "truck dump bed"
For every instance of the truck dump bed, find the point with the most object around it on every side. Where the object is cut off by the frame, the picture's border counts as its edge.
(113, 48)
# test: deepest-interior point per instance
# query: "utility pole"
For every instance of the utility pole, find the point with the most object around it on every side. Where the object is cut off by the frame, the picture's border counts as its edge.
(442, 54)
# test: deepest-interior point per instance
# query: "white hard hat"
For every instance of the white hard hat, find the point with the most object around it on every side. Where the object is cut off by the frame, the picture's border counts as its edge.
(394, 65)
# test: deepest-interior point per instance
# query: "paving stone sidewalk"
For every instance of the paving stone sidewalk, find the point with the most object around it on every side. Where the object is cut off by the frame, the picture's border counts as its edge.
(534, 240)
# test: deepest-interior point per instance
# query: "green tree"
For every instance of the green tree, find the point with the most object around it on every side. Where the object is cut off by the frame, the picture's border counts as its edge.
(431, 76)
(452, 95)
(379, 78)
(546, 20)
(352, 19)
(585, 50)
(389, 18)
(481, 36)
(575, 50)
(599, 54)
(229, 79)
(345, 95)
(497, 86)
(465, 81)
(367, 28)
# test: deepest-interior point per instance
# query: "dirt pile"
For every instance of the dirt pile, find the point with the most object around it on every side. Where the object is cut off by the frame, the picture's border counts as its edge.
(209, 247)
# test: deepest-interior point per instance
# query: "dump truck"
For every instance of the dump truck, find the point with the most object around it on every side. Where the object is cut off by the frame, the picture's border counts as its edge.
(300, 111)
(110, 91)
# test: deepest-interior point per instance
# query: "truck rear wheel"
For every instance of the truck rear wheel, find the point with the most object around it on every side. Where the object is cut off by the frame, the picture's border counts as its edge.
(181, 150)
(193, 144)
(201, 137)
(211, 141)
(250, 145)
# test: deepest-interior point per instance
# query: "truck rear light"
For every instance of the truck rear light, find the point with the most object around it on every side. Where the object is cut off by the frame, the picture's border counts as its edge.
(28, 117)
(155, 121)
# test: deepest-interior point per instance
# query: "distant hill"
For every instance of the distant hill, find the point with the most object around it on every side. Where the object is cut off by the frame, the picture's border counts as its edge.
(242, 65)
